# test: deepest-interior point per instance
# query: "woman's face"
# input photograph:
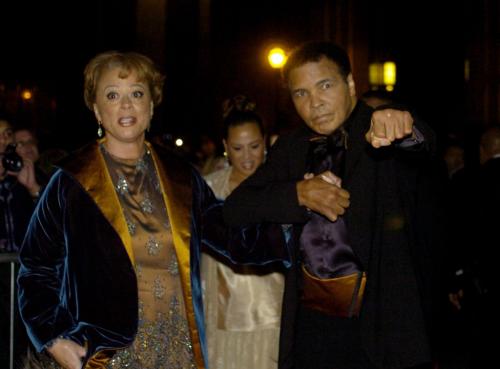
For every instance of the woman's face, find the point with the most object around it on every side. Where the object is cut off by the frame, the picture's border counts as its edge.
(123, 106)
(245, 148)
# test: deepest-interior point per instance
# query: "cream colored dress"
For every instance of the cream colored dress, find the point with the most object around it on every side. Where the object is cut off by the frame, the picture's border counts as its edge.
(242, 306)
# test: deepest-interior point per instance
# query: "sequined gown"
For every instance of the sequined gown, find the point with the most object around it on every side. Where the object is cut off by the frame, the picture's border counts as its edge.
(162, 340)
(242, 306)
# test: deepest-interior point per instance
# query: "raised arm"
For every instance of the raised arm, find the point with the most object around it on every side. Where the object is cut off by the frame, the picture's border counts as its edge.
(400, 127)
(277, 192)
(256, 244)
(270, 194)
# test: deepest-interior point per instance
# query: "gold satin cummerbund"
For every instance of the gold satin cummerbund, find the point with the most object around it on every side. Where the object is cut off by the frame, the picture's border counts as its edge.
(341, 296)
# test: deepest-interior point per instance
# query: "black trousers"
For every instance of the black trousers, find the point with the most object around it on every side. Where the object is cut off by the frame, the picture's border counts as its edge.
(325, 342)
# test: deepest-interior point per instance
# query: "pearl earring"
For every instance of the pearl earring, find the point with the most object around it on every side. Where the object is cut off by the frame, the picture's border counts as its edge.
(99, 130)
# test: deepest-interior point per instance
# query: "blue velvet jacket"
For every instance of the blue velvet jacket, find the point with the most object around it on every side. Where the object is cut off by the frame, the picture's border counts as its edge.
(77, 277)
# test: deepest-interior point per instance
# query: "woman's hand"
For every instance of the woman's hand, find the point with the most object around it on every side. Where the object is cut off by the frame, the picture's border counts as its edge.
(67, 353)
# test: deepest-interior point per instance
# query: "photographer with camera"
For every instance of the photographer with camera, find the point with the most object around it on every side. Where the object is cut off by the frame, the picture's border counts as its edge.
(19, 190)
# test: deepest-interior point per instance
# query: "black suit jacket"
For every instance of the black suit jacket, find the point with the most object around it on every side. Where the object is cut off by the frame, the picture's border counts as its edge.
(482, 262)
(390, 221)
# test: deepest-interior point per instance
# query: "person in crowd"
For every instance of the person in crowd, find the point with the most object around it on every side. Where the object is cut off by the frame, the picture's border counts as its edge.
(19, 190)
(207, 157)
(243, 303)
(453, 156)
(479, 265)
(109, 273)
(26, 144)
(472, 241)
(353, 184)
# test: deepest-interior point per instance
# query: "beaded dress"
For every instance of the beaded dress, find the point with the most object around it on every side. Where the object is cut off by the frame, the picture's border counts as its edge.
(162, 340)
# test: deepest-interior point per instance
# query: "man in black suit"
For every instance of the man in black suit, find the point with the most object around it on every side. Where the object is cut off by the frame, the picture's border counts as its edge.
(478, 259)
(354, 185)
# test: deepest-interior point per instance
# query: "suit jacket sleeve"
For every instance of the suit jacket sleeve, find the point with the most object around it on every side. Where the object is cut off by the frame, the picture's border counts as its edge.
(257, 244)
(270, 194)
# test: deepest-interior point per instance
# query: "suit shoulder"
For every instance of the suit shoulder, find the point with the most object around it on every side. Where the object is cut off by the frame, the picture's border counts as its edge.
(294, 137)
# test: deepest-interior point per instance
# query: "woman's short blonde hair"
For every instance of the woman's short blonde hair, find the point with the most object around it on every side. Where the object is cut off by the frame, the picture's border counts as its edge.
(128, 62)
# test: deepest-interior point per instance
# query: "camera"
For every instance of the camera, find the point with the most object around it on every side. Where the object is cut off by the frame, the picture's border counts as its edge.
(11, 160)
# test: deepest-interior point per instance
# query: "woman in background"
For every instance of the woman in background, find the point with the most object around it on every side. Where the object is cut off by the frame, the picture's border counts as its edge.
(243, 304)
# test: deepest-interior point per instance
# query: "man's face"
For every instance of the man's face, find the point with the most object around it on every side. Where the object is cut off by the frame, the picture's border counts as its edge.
(6, 135)
(27, 146)
(323, 98)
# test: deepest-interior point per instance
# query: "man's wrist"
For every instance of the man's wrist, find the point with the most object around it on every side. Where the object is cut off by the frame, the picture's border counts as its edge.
(299, 189)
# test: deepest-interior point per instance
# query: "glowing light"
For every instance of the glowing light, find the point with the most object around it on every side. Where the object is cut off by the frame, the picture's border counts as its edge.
(375, 74)
(276, 57)
(179, 142)
(26, 95)
(389, 73)
(382, 74)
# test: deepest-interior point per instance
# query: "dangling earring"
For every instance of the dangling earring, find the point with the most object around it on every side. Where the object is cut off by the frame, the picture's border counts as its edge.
(99, 130)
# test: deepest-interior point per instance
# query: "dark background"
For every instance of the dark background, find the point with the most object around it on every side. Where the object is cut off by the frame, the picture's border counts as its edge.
(212, 49)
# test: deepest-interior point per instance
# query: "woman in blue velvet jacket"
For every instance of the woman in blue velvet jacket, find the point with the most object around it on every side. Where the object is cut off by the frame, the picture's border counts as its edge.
(110, 265)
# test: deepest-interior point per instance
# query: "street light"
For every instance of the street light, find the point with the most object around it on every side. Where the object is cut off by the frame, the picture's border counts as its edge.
(276, 57)
(26, 94)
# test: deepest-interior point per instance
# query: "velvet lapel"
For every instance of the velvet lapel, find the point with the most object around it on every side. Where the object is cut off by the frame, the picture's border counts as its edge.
(176, 184)
(89, 169)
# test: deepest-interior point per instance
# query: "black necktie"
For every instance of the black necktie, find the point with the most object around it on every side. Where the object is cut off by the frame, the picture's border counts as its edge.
(327, 153)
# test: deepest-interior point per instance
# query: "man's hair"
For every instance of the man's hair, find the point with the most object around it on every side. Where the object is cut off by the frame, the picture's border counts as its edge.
(314, 51)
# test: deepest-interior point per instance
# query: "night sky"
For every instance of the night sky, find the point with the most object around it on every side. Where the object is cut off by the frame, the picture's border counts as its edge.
(45, 46)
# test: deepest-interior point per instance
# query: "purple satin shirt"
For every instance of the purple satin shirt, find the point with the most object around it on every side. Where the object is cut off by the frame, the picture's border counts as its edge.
(325, 248)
